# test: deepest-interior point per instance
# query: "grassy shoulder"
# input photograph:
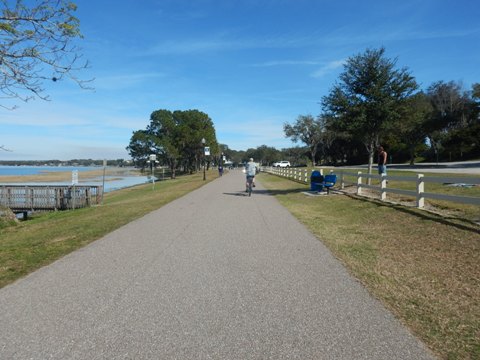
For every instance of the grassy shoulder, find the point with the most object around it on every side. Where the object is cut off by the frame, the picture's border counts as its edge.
(46, 237)
(423, 267)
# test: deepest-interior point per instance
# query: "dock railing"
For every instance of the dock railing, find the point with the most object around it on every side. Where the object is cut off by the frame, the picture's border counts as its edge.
(26, 198)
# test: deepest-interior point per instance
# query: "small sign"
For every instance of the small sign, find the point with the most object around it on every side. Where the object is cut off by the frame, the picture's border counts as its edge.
(207, 150)
(74, 177)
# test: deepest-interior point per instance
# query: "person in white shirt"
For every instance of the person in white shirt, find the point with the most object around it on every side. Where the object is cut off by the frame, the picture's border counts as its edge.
(251, 170)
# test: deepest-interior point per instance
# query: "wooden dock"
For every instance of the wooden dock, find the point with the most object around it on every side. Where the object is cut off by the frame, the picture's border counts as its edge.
(30, 198)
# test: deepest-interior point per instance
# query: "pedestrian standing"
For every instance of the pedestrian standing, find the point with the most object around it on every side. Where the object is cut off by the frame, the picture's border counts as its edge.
(382, 161)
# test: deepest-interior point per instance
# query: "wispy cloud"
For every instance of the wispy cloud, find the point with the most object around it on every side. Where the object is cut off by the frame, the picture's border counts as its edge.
(226, 42)
(122, 81)
(286, 63)
(385, 33)
(328, 68)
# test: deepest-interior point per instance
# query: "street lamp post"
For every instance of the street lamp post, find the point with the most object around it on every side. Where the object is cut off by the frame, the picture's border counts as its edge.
(203, 154)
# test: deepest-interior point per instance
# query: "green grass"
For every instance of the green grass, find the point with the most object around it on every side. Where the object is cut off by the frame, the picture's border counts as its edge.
(423, 267)
(46, 237)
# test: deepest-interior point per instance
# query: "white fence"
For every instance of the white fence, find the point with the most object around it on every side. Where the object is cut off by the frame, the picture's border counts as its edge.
(420, 180)
(300, 175)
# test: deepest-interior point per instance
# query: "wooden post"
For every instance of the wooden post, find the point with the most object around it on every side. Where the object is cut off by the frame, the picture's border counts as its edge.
(31, 196)
(383, 186)
(359, 183)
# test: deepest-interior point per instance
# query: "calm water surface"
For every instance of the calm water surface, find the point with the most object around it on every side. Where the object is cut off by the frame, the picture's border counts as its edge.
(119, 182)
(35, 170)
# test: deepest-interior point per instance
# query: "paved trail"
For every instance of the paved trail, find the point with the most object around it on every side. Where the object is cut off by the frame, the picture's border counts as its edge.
(213, 275)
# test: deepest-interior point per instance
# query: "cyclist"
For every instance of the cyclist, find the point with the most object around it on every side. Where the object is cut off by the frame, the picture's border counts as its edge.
(251, 170)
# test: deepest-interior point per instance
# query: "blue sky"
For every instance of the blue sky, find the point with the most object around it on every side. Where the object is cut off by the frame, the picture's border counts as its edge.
(251, 65)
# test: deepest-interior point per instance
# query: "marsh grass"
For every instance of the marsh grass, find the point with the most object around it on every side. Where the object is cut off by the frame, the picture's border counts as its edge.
(29, 245)
(424, 267)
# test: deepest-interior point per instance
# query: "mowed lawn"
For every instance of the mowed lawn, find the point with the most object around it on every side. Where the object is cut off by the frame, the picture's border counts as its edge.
(425, 268)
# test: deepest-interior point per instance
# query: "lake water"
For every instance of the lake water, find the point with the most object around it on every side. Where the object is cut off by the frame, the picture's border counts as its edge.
(35, 170)
(119, 182)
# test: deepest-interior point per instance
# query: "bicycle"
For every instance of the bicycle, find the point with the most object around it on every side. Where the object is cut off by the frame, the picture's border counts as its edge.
(249, 185)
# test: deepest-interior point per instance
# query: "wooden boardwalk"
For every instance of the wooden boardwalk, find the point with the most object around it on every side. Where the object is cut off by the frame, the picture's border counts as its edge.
(26, 198)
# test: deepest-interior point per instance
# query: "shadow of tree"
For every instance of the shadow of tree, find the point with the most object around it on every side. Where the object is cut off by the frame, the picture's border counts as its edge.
(459, 223)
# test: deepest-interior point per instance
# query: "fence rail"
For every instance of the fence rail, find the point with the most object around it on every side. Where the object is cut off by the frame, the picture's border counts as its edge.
(302, 176)
(24, 198)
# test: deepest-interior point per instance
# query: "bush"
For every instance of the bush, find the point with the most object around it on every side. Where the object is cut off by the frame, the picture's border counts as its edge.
(7, 217)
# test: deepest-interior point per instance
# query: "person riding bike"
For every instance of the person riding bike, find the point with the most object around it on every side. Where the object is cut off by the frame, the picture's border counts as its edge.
(251, 170)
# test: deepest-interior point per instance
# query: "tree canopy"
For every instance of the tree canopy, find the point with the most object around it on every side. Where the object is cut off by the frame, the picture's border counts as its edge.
(37, 45)
(308, 130)
(370, 94)
(176, 137)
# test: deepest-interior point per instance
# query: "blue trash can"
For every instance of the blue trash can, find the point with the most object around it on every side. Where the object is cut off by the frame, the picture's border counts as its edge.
(316, 180)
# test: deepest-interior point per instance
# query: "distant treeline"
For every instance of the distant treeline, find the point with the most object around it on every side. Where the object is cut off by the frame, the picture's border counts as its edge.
(74, 162)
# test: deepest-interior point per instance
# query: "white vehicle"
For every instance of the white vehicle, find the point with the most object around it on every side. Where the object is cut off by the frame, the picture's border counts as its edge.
(282, 164)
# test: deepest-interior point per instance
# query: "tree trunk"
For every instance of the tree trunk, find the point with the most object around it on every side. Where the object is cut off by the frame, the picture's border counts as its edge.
(370, 166)
(412, 156)
(371, 150)
(313, 151)
(173, 168)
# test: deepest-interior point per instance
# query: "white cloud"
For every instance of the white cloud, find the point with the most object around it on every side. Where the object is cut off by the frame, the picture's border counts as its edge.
(228, 42)
(41, 115)
(286, 63)
(328, 68)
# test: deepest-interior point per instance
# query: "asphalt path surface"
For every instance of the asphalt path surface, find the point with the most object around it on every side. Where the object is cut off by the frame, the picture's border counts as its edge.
(213, 275)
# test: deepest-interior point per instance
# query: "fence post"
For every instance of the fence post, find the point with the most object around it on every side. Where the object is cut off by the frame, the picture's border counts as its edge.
(342, 180)
(420, 191)
(306, 176)
(31, 197)
(383, 187)
(359, 183)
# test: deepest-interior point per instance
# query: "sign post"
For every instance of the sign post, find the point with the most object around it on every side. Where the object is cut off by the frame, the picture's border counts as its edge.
(103, 182)
(74, 182)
